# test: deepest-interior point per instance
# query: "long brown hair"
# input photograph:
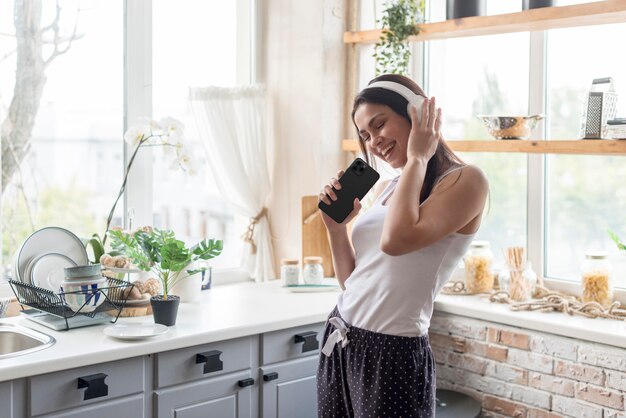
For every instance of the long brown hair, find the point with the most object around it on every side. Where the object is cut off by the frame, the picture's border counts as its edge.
(443, 157)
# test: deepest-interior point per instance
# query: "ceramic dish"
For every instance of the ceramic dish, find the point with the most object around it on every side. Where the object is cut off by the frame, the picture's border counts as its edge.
(83, 271)
(49, 240)
(311, 288)
(46, 271)
(84, 296)
(135, 331)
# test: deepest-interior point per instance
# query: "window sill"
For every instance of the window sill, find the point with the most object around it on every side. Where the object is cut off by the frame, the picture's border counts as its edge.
(605, 331)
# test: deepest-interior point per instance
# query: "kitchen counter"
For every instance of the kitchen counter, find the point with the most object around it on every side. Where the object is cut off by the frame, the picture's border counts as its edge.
(225, 312)
(242, 309)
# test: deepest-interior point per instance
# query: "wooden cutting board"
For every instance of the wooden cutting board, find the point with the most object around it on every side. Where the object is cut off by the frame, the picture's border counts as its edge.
(128, 311)
(314, 237)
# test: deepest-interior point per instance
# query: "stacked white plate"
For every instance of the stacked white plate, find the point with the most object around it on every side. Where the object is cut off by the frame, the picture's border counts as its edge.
(45, 253)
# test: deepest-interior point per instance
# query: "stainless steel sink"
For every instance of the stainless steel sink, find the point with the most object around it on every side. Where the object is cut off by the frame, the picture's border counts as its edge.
(16, 340)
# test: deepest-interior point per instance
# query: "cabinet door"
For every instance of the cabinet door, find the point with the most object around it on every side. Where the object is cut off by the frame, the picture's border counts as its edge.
(204, 361)
(6, 400)
(221, 397)
(291, 343)
(288, 389)
(86, 385)
(125, 407)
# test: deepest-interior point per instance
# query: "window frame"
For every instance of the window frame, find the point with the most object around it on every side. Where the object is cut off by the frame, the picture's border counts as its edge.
(536, 163)
(138, 102)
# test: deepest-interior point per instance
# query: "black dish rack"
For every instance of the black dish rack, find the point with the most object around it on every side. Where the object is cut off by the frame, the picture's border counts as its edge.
(49, 303)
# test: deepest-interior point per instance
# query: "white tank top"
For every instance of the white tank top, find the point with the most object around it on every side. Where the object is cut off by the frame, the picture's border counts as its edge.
(394, 294)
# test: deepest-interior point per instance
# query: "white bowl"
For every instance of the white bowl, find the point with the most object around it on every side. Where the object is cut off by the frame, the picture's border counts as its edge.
(84, 296)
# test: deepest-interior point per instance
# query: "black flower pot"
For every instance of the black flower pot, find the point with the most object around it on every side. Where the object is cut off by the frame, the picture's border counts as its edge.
(536, 4)
(164, 311)
(456, 9)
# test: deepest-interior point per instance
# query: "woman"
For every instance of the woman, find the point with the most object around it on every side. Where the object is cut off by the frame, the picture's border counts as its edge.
(376, 359)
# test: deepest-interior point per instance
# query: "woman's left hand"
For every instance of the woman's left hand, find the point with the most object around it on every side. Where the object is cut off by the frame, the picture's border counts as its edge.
(425, 134)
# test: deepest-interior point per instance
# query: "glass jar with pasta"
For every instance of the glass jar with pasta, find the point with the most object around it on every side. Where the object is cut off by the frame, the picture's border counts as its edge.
(597, 285)
(478, 275)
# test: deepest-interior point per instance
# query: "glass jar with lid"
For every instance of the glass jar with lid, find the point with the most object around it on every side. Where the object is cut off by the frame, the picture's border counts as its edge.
(289, 271)
(313, 271)
(478, 260)
(597, 285)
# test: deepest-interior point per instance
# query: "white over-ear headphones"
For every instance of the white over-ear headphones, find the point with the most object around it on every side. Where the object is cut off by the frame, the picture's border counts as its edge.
(413, 99)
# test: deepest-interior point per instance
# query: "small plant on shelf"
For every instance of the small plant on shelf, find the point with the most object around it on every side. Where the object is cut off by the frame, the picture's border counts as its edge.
(392, 52)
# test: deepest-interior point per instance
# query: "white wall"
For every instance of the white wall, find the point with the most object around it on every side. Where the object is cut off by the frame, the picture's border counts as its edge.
(302, 64)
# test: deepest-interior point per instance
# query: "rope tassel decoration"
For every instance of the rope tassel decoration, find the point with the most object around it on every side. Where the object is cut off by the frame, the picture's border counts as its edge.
(248, 236)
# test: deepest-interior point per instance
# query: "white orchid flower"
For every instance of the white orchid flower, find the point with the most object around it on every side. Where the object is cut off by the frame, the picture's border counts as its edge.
(181, 162)
(171, 126)
(170, 149)
(135, 134)
(168, 133)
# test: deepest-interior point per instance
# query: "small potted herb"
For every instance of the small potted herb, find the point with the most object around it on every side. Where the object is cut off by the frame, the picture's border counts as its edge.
(159, 251)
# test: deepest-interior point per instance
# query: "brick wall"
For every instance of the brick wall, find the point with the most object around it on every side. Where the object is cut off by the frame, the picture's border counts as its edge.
(516, 372)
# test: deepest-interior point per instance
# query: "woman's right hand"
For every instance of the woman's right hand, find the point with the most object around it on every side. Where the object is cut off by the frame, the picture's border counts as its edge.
(328, 196)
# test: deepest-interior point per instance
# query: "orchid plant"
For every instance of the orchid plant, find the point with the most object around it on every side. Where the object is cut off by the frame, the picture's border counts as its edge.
(167, 132)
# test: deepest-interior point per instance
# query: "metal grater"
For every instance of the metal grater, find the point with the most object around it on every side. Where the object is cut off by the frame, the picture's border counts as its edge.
(601, 106)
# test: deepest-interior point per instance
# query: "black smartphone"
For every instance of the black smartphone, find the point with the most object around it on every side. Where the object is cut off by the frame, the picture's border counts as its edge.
(355, 182)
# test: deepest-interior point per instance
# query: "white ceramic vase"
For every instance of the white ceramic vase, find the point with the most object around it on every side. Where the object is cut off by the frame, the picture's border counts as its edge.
(188, 287)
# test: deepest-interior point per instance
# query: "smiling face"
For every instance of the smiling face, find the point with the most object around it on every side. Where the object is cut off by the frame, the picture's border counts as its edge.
(384, 132)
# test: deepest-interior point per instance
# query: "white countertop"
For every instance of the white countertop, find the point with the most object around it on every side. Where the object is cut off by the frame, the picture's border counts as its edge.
(225, 312)
(242, 309)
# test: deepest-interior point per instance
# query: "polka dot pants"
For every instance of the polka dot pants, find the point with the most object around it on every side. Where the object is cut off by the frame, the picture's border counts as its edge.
(376, 375)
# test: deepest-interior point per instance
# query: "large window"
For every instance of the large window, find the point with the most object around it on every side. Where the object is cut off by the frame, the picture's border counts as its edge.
(467, 81)
(64, 102)
(61, 110)
(501, 74)
(584, 194)
(195, 44)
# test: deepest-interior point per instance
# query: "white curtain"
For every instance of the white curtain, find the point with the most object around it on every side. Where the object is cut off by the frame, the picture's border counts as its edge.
(233, 127)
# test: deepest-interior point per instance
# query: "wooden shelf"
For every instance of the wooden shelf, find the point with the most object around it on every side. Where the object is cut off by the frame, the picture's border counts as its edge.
(580, 146)
(599, 13)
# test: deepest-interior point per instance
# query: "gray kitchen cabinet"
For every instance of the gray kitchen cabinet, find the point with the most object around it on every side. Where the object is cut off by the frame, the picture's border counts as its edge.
(289, 389)
(132, 406)
(289, 360)
(205, 361)
(12, 403)
(6, 400)
(225, 396)
(267, 375)
(84, 386)
(209, 380)
(291, 343)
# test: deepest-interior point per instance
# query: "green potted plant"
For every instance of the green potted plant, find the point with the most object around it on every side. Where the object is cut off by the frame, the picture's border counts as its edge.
(159, 251)
(392, 52)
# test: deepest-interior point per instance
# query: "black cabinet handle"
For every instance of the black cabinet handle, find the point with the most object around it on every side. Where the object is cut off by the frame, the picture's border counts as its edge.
(246, 382)
(309, 339)
(95, 385)
(211, 360)
(270, 376)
